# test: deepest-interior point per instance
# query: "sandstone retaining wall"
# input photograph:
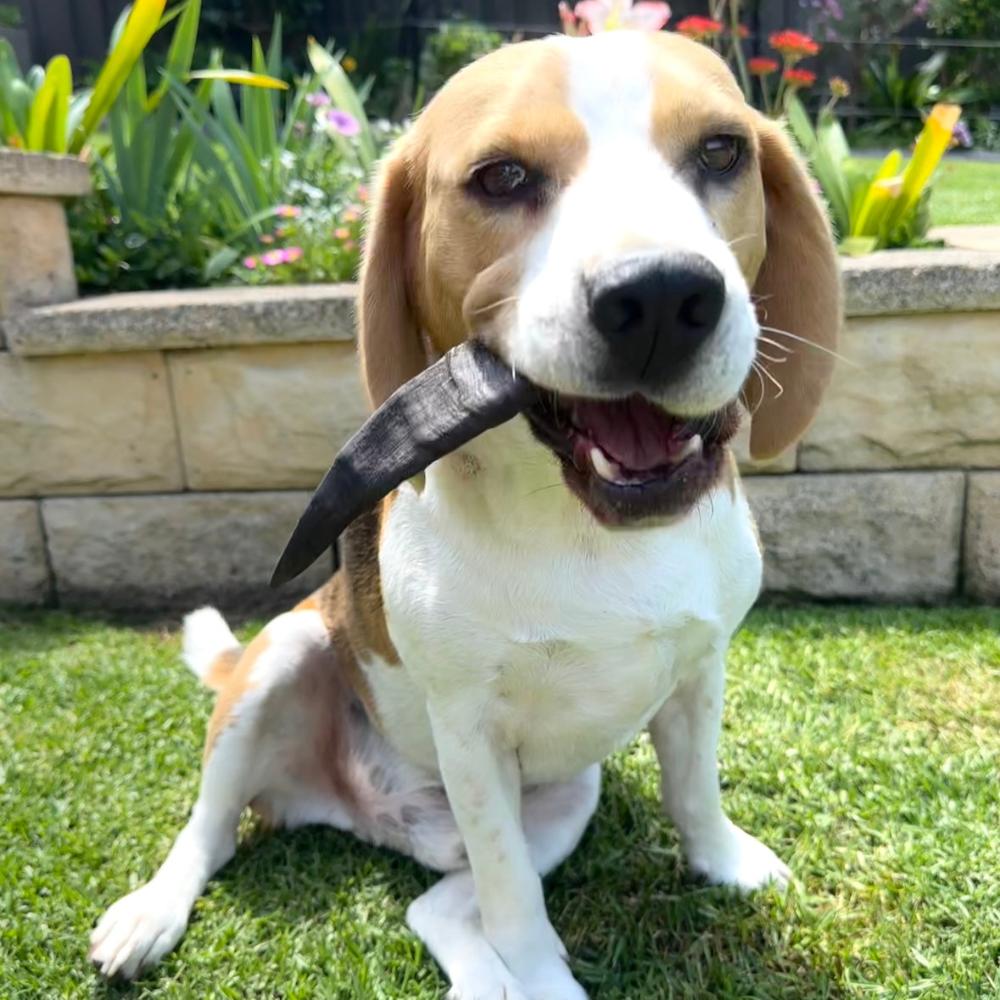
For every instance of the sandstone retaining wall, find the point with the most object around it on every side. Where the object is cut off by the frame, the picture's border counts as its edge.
(157, 448)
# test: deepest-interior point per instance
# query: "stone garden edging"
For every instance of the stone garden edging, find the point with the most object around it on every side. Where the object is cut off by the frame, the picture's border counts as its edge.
(156, 448)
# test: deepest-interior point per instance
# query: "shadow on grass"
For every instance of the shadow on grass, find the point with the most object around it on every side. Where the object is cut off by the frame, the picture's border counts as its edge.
(635, 925)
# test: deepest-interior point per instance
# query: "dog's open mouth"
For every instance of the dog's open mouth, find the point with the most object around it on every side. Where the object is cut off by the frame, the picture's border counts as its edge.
(628, 458)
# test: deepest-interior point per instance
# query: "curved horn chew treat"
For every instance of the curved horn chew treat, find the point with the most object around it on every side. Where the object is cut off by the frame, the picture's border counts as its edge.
(469, 391)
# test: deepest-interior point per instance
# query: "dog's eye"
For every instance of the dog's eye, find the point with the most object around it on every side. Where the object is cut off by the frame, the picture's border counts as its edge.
(505, 180)
(719, 154)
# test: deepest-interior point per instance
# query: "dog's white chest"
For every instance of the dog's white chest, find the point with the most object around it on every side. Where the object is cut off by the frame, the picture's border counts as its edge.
(562, 642)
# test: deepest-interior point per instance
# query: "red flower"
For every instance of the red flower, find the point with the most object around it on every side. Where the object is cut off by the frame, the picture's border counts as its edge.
(799, 77)
(699, 28)
(762, 66)
(793, 44)
(742, 31)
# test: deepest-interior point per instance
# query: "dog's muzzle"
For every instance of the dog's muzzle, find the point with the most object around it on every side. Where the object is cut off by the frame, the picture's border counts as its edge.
(653, 312)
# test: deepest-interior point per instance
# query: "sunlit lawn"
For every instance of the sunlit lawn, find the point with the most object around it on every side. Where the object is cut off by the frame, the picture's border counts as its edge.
(966, 192)
(864, 745)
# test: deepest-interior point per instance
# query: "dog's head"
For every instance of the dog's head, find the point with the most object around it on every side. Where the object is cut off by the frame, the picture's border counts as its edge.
(615, 222)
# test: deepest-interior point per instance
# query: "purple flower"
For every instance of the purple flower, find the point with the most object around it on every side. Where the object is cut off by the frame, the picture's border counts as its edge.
(319, 99)
(961, 135)
(342, 122)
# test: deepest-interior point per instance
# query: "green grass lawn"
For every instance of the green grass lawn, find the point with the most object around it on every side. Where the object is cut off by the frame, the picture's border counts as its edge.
(966, 193)
(862, 744)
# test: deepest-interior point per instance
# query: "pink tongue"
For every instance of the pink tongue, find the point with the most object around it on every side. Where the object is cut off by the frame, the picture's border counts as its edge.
(634, 432)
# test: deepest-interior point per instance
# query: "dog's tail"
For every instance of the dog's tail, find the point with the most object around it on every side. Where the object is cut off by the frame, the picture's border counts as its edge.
(209, 647)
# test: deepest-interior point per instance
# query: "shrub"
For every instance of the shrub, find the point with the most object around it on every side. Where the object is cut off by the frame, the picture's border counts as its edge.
(455, 44)
(880, 209)
(209, 182)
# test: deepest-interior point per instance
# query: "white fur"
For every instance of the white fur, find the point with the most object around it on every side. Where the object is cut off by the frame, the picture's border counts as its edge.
(206, 635)
(626, 199)
(538, 640)
(138, 930)
(533, 641)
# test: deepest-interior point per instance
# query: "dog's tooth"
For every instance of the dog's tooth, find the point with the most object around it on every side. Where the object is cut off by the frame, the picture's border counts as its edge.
(603, 466)
(693, 447)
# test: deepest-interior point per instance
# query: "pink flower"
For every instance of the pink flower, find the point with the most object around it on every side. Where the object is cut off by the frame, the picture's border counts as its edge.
(607, 15)
(573, 26)
(362, 193)
(288, 211)
(342, 233)
(343, 122)
(349, 245)
(249, 263)
(352, 214)
(266, 238)
(283, 255)
(319, 99)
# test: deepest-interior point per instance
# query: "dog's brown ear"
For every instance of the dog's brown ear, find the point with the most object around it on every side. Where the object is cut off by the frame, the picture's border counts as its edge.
(797, 290)
(389, 337)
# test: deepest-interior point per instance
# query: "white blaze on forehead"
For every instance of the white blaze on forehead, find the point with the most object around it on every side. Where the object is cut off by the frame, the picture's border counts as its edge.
(611, 86)
(624, 198)
(631, 197)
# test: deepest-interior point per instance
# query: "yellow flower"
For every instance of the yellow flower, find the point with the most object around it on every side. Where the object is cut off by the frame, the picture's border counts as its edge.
(839, 87)
(349, 63)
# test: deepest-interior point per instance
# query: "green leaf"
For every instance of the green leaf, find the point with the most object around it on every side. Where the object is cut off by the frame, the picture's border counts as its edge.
(857, 246)
(241, 76)
(181, 51)
(143, 20)
(343, 95)
(46, 130)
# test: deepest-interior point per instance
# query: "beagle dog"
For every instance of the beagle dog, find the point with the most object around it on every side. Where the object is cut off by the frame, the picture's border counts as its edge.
(616, 224)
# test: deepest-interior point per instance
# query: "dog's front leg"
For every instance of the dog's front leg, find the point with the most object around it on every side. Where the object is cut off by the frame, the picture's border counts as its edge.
(483, 782)
(685, 733)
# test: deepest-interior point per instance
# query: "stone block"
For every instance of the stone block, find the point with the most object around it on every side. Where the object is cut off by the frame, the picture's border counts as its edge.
(43, 174)
(873, 537)
(174, 551)
(897, 282)
(36, 259)
(265, 417)
(923, 392)
(92, 424)
(982, 537)
(24, 573)
(199, 317)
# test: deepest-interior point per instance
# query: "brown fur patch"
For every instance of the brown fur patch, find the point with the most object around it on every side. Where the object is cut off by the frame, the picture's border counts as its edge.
(236, 686)
(310, 603)
(437, 263)
(221, 668)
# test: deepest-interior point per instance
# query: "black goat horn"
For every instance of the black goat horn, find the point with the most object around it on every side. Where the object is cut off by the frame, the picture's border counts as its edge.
(467, 392)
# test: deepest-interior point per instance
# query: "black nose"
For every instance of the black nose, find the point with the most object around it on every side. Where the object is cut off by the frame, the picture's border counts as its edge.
(655, 311)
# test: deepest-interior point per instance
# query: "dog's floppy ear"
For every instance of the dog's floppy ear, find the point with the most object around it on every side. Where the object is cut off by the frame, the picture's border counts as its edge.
(797, 290)
(389, 337)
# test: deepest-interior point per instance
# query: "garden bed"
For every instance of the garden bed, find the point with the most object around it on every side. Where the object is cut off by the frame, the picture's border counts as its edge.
(157, 448)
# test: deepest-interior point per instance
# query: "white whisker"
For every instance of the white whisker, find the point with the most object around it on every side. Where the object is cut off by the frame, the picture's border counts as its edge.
(773, 380)
(774, 343)
(811, 343)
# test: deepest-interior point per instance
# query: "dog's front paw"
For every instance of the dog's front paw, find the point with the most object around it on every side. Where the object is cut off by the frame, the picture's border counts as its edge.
(538, 961)
(737, 859)
(551, 980)
(137, 931)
